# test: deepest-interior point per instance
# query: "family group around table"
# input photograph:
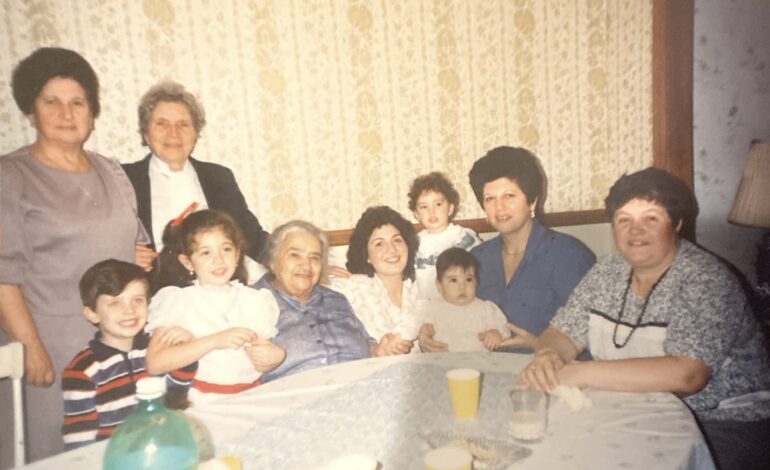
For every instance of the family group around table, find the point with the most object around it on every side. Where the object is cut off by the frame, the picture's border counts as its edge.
(659, 315)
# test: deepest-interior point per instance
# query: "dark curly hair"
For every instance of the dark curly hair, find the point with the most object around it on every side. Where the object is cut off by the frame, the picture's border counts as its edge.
(180, 239)
(31, 75)
(109, 277)
(438, 182)
(452, 257)
(515, 163)
(659, 186)
(372, 219)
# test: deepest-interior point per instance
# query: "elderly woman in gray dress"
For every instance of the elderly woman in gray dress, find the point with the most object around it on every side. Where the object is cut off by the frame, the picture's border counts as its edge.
(62, 208)
(662, 315)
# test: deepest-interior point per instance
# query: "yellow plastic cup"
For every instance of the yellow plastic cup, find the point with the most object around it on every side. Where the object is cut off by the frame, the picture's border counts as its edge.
(464, 391)
(448, 458)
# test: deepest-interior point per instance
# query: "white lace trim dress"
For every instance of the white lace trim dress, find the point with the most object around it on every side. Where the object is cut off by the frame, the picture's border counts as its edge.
(206, 310)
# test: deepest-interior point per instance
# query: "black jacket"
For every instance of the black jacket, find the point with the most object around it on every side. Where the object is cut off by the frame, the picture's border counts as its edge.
(221, 192)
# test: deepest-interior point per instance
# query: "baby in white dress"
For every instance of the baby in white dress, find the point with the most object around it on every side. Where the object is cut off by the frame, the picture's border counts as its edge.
(459, 319)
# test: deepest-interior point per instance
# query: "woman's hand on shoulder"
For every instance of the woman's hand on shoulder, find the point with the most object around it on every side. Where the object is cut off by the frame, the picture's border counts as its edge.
(233, 338)
(426, 341)
(491, 339)
(338, 271)
(38, 368)
(265, 355)
(542, 372)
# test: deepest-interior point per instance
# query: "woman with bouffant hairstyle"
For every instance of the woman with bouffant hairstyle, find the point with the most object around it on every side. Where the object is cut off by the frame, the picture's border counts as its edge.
(62, 209)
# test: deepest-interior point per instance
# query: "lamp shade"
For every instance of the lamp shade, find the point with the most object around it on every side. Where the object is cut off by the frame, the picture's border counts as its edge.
(752, 202)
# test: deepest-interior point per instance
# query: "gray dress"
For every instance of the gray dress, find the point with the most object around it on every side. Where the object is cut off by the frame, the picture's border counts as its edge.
(54, 225)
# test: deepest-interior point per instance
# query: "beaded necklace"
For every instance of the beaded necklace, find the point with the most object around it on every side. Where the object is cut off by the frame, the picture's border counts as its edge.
(641, 314)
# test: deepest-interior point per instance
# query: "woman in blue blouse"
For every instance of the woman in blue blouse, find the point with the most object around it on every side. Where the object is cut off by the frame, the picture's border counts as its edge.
(528, 270)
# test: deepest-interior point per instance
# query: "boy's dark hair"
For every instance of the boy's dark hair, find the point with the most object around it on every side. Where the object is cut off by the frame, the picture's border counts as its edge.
(515, 163)
(372, 219)
(109, 277)
(438, 182)
(455, 257)
(180, 239)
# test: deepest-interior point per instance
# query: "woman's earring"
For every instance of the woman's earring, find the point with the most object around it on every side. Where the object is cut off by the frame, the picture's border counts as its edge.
(532, 213)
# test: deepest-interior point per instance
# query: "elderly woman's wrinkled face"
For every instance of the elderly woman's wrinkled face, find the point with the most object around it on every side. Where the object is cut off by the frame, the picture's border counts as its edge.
(506, 205)
(171, 133)
(297, 268)
(644, 235)
(62, 114)
(387, 251)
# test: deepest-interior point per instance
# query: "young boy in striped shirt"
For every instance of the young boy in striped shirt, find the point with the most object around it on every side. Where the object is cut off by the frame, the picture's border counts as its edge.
(99, 384)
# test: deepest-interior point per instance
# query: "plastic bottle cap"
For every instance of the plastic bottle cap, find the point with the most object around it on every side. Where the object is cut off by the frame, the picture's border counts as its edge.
(150, 388)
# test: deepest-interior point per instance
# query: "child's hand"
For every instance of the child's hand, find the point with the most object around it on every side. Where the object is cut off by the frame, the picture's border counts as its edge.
(491, 339)
(520, 337)
(234, 338)
(265, 355)
(174, 335)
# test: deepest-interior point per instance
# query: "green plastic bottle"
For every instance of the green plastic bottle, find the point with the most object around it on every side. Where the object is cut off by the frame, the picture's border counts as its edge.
(152, 437)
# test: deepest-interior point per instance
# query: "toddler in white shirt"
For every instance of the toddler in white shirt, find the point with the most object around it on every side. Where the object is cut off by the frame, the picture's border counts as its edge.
(459, 319)
(434, 202)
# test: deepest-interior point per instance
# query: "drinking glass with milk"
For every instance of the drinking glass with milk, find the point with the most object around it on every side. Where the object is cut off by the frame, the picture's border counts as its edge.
(530, 414)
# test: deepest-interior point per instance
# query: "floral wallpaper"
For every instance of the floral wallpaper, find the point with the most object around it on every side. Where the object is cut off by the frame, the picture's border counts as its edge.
(322, 108)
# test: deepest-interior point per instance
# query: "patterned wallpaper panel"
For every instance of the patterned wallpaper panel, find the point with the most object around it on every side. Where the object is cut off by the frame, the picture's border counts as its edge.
(322, 108)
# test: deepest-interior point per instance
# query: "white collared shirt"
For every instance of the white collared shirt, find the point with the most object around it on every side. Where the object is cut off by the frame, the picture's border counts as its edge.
(172, 192)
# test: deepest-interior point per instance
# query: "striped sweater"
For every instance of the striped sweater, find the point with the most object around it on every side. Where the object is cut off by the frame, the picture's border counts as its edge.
(99, 389)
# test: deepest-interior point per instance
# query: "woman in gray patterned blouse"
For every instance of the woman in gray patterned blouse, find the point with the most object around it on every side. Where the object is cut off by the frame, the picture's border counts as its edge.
(662, 315)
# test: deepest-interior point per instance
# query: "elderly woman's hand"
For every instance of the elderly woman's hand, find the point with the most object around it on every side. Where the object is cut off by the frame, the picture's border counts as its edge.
(265, 355)
(541, 373)
(426, 341)
(38, 369)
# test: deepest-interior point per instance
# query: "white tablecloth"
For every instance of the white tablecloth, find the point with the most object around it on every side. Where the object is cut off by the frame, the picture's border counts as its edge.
(306, 419)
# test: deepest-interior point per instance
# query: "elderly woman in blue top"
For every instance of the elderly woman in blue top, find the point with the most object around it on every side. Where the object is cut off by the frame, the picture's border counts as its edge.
(316, 325)
(529, 270)
(662, 315)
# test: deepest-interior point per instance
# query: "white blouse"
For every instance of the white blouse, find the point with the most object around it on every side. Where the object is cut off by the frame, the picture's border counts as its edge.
(206, 310)
(372, 305)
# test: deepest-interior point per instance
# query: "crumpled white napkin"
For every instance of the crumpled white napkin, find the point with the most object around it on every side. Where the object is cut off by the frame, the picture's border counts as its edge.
(573, 397)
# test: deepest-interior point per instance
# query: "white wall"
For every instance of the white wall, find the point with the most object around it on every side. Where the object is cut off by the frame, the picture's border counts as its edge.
(731, 107)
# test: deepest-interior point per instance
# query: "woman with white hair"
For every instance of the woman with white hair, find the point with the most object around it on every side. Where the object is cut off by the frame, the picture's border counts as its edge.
(169, 179)
(316, 325)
